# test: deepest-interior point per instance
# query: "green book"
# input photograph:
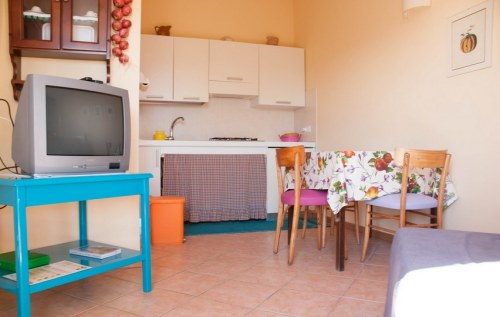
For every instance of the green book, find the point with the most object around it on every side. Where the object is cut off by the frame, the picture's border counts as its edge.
(8, 260)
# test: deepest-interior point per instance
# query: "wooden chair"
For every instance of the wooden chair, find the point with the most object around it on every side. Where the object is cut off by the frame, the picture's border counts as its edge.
(351, 207)
(294, 157)
(410, 203)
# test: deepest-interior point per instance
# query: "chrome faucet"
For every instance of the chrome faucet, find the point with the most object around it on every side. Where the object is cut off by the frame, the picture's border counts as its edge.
(171, 136)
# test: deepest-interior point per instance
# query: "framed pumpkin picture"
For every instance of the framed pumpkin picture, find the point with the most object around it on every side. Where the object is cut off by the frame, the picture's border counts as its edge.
(470, 39)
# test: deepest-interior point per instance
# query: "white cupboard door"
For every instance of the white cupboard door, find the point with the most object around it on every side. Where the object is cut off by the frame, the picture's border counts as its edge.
(156, 68)
(234, 68)
(150, 162)
(190, 70)
(281, 76)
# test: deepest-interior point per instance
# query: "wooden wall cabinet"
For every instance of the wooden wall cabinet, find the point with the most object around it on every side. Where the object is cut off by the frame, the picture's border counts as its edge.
(69, 29)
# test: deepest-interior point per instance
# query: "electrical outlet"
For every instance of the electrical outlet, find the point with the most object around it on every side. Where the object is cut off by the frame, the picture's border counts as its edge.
(306, 129)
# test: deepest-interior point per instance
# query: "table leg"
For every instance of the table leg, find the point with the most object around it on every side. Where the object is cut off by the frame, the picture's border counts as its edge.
(340, 249)
(434, 214)
(147, 285)
(82, 217)
(21, 252)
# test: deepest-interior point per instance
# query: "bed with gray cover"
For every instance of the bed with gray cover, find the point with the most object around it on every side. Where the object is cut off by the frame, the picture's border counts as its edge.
(443, 273)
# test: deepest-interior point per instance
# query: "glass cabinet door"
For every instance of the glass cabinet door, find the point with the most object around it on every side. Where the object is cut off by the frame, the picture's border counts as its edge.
(59, 24)
(83, 24)
(32, 23)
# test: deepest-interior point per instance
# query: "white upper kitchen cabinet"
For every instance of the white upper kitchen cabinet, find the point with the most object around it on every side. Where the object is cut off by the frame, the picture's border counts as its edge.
(234, 68)
(157, 68)
(190, 69)
(281, 77)
(174, 72)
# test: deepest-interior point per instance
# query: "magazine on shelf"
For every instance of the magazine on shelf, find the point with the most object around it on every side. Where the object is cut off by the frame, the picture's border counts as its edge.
(51, 271)
(96, 251)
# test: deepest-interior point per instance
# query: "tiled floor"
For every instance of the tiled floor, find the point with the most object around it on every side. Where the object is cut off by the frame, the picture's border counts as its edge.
(229, 275)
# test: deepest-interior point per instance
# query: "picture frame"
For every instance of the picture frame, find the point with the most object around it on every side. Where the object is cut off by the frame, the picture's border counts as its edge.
(470, 34)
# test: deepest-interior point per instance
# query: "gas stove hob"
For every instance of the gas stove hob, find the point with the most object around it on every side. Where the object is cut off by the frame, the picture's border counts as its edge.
(232, 139)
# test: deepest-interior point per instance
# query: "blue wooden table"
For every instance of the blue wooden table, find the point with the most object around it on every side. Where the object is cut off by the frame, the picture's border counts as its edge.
(26, 192)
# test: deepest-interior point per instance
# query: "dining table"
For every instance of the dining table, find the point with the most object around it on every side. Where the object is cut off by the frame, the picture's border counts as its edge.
(359, 176)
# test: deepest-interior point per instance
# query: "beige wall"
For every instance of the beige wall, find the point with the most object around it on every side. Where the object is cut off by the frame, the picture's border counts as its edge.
(109, 220)
(382, 82)
(243, 20)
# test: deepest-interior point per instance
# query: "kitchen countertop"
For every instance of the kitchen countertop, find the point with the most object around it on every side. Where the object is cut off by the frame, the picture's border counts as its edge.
(271, 144)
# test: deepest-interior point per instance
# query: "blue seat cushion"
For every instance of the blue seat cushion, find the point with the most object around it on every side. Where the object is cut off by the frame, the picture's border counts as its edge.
(308, 197)
(413, 201)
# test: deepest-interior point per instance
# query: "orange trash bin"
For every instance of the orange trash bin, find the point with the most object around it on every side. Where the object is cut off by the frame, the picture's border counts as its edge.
(167, 219)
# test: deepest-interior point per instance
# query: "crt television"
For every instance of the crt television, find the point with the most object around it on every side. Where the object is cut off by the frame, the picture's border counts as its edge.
(71, 126)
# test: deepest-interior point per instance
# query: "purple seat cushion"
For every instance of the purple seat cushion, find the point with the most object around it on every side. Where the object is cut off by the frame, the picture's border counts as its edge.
(413, 201)
(308, 197)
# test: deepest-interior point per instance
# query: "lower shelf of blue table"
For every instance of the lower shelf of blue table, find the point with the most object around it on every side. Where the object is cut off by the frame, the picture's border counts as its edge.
(60, 252)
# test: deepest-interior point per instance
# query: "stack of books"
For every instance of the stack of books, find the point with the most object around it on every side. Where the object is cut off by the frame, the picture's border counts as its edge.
(8, 260)
(96, 251)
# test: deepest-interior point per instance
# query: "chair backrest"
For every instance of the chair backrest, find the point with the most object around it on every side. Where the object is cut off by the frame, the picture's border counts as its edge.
(290, 157)
(423, 159)
(285, 157)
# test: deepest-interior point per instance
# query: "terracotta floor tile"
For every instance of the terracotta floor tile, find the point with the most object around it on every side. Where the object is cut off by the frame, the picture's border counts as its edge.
(299, 303)
(262, 313)
(368, 290)
(244, 294)
(375, 272)
(358, 308)
(271, 276)
(155, 303)
(55, 304)
(320, 283)
(101, 289)
(103, 311)
(202, 307)
(189, 283)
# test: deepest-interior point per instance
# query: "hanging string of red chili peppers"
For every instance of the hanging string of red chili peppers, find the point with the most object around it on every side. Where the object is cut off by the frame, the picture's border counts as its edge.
(121, 26)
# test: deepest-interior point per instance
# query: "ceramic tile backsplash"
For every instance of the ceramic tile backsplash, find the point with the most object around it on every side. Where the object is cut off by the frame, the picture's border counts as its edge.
(220, 117)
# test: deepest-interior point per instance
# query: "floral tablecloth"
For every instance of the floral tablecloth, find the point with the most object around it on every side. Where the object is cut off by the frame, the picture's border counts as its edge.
(364, 175)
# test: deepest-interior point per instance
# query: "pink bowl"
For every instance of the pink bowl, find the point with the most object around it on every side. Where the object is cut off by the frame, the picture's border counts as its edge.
(290, 137)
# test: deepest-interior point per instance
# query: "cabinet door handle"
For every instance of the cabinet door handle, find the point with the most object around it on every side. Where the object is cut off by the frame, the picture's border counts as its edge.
(191, 98)
(235, 78)
(154, 96)
(283, 102)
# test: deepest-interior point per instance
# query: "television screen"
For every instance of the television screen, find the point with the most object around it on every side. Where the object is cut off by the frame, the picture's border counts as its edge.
(71, 126)
(83, 123)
